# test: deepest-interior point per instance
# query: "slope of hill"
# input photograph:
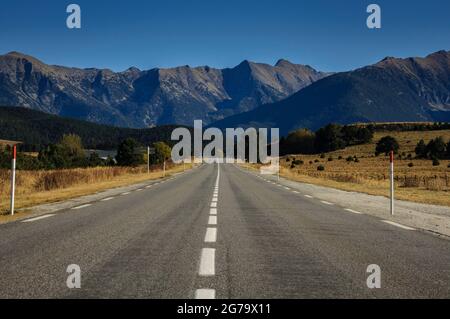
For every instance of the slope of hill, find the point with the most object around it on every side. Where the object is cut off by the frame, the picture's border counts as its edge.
(35, 129)
(413, 89)
(136, 98)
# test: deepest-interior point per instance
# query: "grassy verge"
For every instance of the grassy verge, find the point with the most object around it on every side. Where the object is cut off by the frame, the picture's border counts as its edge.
(41, 187)
(357, 169)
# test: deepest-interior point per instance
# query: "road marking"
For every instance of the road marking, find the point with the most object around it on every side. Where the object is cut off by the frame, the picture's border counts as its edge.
(287, 188)
(308, 196)
(138, 190)
(213, 211)
(212, 220)
(214, 204)
(397, 225)
(214, 199)
(106, 199)
(205, 294)
(211, 235)
(326, 203)
(296, 192)
(37, 218)
(353, 211)
(82, 206)
(279, 185)
(148, 186)
(126, 193)
(207, 262)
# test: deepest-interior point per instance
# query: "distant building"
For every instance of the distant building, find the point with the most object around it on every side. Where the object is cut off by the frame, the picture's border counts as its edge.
(102, 153)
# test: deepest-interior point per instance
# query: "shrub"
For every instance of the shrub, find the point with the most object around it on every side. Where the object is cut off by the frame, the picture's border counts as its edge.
(410, 165)
(322, 155)
(310, 162)
(386, 145)
(436, 162)
(330, 159)
(340, 157)
(298, 162)
(320, 168)
(350, 159)
(316, 161)
(356, 160)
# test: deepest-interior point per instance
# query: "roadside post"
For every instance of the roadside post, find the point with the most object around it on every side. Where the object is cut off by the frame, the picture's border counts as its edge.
(148, 159)
(391, 159)
(164, 168)
(13, 177)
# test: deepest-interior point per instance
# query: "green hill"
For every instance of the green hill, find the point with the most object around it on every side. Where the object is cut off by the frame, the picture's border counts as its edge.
(35, 129)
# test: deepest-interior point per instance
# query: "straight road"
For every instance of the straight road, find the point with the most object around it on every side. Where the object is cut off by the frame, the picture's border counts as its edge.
(219, 232)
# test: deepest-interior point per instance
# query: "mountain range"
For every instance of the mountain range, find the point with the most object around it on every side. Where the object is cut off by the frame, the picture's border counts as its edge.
(138, 99)
(392, 90)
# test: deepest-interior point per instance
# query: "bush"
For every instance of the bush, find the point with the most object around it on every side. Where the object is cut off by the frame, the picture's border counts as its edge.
(350, 159)
(320, 168)
(128, 153)
(310, 162)
(330, 159)
(410, 165)
(436, 162)
(298, 162)
(322, 155)
(340, 157)
(288, 159)
(316, 161)
(386, 145)
(356, 160)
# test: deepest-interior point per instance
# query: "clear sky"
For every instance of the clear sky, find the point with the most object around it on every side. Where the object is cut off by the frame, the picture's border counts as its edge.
(330, 35)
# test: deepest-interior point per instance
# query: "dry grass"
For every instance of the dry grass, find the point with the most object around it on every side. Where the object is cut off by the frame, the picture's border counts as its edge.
(422, 182)
(39, 187)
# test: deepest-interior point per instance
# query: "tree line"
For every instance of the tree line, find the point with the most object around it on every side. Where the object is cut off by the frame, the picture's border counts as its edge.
(70, 153)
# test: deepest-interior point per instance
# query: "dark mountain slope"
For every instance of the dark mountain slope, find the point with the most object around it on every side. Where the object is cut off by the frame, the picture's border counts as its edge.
(413, 89)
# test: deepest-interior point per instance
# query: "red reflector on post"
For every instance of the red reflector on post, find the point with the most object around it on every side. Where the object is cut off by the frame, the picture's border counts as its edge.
(15, 151)
(391, 156)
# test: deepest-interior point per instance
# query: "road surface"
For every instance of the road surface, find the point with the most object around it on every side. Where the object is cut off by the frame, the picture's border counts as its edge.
(247, 237)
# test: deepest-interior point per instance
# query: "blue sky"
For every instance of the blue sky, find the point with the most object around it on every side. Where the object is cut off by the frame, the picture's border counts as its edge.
(326, 34)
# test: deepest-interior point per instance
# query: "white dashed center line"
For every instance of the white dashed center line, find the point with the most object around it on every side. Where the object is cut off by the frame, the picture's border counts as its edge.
(211, 235)
(126, 193)
(308, 196)
(207, 262)
(106, 199)
(326, 203)
(213, 211)
(212, 220)
(205, 294)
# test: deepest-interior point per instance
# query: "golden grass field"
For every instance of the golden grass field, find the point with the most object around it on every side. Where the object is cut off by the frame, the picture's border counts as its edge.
(422, 183)
(39, 187)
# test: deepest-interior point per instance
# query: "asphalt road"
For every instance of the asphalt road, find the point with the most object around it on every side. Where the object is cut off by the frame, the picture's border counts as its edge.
(247, 237)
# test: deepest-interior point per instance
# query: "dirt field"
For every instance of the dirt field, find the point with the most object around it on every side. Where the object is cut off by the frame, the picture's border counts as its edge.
(421, 182)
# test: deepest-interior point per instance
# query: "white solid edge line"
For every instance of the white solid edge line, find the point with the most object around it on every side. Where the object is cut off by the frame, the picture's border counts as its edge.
(106, 199)
(207, 262)
(213, 211)
(211, 235)
(212, 220)
(82, 206)
(353, 211)
(205, 294)
(37, 218)
(326, 203)
(398, 225)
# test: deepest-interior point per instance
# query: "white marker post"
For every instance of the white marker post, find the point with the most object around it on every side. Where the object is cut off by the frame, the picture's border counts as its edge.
(391, 159)
(13, 178)
(164, 169)
(148, 159)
